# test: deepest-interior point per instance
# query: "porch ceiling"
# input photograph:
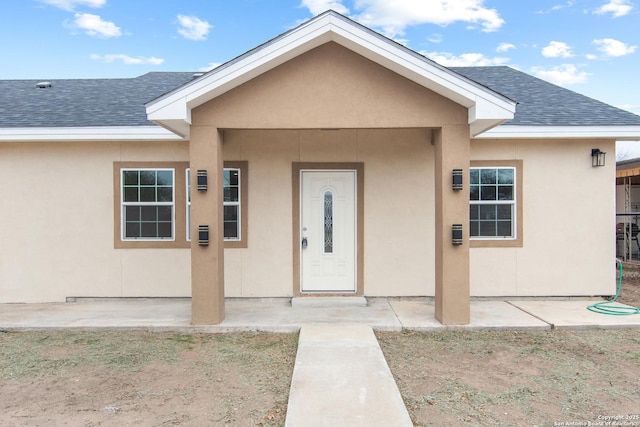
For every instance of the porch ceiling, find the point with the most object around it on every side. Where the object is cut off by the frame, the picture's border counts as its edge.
(486, 108)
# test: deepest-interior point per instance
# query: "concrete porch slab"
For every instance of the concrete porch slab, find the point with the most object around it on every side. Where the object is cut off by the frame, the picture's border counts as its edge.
(328, 302)
(341, 378)
(573, 314)
(419, 315)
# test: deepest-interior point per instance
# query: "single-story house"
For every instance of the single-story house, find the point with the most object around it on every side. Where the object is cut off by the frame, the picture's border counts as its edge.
(329, 160)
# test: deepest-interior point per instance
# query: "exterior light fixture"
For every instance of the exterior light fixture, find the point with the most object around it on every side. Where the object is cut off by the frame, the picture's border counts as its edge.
(202, 180)
(456, 234)
(203, 235)
(597, 157)
(456, 179)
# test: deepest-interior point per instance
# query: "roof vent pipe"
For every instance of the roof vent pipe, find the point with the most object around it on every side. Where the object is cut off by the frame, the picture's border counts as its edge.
(43, 85)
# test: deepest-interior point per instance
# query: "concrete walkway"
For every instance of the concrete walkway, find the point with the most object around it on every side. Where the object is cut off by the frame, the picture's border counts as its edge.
(342, 379)
(278, 315)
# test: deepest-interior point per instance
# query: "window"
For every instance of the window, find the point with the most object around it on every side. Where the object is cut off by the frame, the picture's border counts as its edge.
(495, 206)
(235, 201)
(147, 198)
(492, 198)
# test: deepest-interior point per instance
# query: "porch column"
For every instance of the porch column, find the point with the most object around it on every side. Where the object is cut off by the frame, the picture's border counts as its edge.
(207, 262)
(452, 207)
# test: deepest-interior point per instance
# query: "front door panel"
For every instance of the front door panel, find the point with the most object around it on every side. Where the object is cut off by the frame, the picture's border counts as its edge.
(328, 230)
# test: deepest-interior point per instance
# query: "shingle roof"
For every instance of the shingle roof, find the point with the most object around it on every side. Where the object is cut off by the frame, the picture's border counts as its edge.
(121, 102)
(83, 102)
(541, 103)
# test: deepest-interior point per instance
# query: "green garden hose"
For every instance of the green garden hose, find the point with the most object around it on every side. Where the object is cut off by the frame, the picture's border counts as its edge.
(614, 310)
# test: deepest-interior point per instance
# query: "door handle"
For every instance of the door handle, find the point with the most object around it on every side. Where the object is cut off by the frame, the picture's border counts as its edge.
(304, 243)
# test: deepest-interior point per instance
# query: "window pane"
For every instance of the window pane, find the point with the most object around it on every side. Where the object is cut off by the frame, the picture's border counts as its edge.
(130, 177)
(147, 177)
(474, 212)
(474, 192)
(328, 222)
(488, 193)
(147, 194)
(132, 213)
(164, 213)
(474, 176)
(504, 212)
(488, 212)
(149, 229)
(231, 230)
(230, 213)
(165, 194)
(487, 176)
(505, 176)
(165, 178)
(504, 229)
(231, 194)
(164, 229)
(132, 230)
(231, 178)
(474, 229)
(131, 194)
(505, 192)
(488, 228)
(149, 213)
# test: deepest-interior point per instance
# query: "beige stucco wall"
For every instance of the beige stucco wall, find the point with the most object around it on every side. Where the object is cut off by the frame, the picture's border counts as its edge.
(568, 223)
(398, 231)
(57, 225)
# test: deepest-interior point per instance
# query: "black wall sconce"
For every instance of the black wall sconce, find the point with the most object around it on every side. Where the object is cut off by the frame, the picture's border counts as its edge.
(202, 180)
(203, 235)
(456, 234)
(456, 179)
(597, 157)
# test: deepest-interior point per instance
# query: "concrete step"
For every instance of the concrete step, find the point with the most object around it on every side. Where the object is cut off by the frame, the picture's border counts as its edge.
(328, 302)
(341, 378)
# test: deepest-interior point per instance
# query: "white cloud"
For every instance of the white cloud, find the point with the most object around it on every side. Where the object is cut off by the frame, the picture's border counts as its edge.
(316, 7)
(570, 3)
(617, 8)
(591, 57)
(93, 25)
(70, 5)
(193, 28)
(565, 74)
(435, 38)
(210, 66)
(126, 59)
(504, 47)
(394, 17)
(465, 60)
(612, 47)
(557, 50)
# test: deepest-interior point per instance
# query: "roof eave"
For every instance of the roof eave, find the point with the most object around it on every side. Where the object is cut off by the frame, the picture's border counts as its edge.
(95, 133)
(619, 132)
(486, 107)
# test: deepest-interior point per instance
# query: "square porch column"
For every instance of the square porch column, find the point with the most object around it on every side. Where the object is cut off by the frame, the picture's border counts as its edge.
(452, 151)
(207, 262)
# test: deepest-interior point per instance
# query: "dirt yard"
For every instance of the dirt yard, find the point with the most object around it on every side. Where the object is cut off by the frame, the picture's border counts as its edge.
(144, 379)
(242, 379)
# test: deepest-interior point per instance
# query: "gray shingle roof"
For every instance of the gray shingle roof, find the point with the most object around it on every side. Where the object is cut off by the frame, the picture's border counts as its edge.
(541, 103)
(121, 102)
(83, 102)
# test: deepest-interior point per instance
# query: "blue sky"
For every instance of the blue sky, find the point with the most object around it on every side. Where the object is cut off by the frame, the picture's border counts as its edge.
(589, 46)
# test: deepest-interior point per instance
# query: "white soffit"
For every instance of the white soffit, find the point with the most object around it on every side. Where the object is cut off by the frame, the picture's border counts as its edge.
(97, 133)
(620, 133)
(486, 108)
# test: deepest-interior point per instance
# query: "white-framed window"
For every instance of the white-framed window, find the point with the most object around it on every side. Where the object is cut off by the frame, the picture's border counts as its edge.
(492, 198)
(147, 202)
(232, 206)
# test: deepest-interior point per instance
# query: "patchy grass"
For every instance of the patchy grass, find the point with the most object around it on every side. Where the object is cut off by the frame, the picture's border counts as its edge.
(515, 378)
(91, 378)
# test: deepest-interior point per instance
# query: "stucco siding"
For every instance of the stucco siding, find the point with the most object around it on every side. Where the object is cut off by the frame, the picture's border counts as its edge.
(568, 243)
(57, 227)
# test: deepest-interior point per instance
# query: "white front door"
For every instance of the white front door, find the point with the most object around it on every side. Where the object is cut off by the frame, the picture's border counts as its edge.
(328, 231)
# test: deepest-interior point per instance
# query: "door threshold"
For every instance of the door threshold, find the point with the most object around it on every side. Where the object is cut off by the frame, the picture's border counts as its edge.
(316, 301)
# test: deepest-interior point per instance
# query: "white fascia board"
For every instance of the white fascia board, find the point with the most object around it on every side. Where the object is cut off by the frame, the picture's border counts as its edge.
(97, 133)
(484, 104)
(619, 133)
